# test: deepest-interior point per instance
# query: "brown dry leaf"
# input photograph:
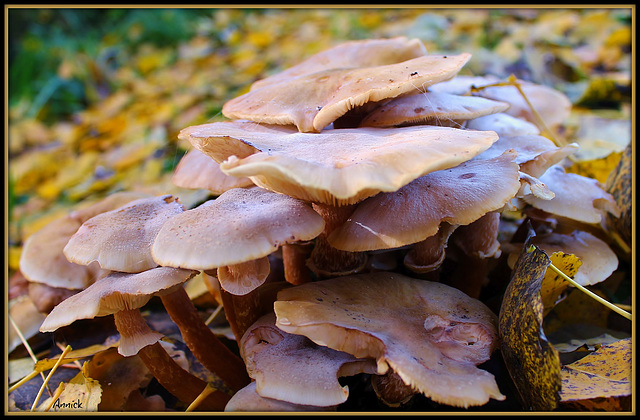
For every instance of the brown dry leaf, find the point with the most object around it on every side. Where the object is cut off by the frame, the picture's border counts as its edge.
(118, 376)
(619, 185)
(533, 363)
(605, 373)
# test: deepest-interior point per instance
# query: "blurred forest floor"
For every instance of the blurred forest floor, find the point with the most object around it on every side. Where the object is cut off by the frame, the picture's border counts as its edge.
(97, 96)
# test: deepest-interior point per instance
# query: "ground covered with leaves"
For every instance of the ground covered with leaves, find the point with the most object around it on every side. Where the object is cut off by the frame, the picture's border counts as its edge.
(93, 115)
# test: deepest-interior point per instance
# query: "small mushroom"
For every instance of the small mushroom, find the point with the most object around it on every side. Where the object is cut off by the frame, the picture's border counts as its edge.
(352, 54)
(503, 124)
(198, 171)
(290, 367)
(433, 336)
(121, 295)
(432, 108)
(102, 239)
(240, 226)
(576, 197)
(312, 102)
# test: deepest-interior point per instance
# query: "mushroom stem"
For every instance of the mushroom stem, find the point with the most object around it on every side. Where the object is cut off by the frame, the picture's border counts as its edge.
(204, 344)
(428, 255)
(179, 382)
(327, 261)
(294, 256)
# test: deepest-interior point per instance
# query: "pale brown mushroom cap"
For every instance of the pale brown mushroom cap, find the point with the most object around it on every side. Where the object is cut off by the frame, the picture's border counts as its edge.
(114, 293)
(462, 84)
(503, 124)
(431, 334)
(350, 54)
(598, 260)
(458, 195)
(576, 197)
(292, 368)
(240, 225)
(199, 171)
(121, 239)
(335, 167)
(553, 106)
(536, 153)
(42, 259)
(248, 400)
(314, 101)
(431, 107)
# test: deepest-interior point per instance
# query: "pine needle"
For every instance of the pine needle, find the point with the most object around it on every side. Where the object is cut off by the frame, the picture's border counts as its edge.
(64, 353)
(204, 394)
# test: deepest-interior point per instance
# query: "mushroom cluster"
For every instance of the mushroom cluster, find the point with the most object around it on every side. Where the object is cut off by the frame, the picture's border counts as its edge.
(360, 172)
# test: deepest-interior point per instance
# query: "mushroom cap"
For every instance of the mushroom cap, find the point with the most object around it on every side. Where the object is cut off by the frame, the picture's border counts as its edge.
(314, 101)
(42, 259)
(350, 54)
(337, 166)
(553, 106)
(113, 293)
(598, 260)
(292, 368)
(462, 84)
(247, 399)
(576, 197)
(430, 334)
(120, 239)
(536, 153)
(240, 225)
(197, 170)
(431, 107)
(503, 124)
(458, 195)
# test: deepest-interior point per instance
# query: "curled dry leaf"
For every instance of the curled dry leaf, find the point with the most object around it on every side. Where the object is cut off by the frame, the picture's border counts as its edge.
(392, 318)
(533, 363)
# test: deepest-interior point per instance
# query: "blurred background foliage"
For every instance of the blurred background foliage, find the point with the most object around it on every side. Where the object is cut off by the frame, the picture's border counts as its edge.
(98, 95)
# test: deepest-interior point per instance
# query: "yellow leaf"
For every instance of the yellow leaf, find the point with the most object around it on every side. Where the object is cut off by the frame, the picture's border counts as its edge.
(598, 169)
(533, 363)
(553, 284)
(81, 394)
(605, 373)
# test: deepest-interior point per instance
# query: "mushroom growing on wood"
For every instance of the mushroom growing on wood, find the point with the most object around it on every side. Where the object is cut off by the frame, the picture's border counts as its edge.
(121, 295)
(432, 108)
(239, 229)
(433, 336)
(292, 368)
(336, 168)
(314, 101)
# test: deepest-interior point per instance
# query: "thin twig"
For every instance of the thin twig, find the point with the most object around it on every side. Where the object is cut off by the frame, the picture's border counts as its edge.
(204, 394)
(55, 396)
(64, 353)
(26, 345)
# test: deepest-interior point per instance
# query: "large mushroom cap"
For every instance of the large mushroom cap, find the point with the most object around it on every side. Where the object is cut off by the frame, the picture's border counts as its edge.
(197, 170)
(339, 166)
(248, 400)
(432, 107)
(503, 124)
(240, 225)
(360, 53)
(458, 195)
(121, 239)
(430, 334)
(292, 368)
(314, 101)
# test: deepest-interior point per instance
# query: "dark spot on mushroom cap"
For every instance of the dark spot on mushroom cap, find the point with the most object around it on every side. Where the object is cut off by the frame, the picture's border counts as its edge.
(467, 176)
(418, 110)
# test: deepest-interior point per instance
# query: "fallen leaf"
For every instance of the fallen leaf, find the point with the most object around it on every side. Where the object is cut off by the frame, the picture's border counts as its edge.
(81, 394)
(533, 363)
(553, 284)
